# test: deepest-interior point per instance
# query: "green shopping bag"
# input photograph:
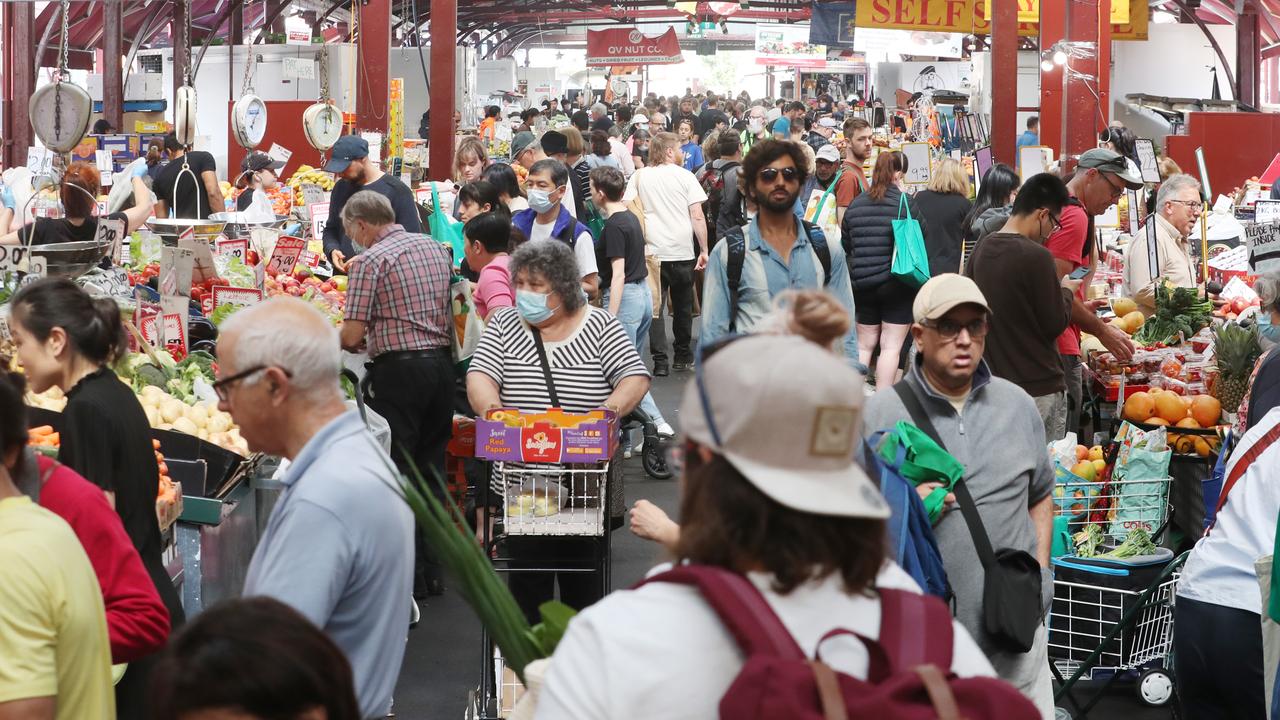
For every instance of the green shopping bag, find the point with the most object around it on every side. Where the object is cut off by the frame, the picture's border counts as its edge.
(910, 258)
(595, 219)
(444, 228)
(925, 461)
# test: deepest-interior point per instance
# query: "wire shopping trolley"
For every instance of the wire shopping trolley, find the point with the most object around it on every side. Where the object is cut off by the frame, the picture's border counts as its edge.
(543, 502)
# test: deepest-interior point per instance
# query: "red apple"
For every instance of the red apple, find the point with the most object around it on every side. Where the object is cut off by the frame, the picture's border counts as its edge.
(294, 290)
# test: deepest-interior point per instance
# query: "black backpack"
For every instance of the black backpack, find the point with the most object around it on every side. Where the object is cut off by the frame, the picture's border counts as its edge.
(737, 253)
(712, 181)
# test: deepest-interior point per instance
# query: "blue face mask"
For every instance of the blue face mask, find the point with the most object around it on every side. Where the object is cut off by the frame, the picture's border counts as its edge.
(540, 200)
(1267, 329)
(532, 306)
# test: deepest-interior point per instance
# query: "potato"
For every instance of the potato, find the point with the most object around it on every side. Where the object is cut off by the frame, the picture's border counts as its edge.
(198, 414)
(183, 425)
(172, 409)
(218, 422)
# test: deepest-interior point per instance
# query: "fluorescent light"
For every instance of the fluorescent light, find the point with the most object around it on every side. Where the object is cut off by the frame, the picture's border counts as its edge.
(573, 42)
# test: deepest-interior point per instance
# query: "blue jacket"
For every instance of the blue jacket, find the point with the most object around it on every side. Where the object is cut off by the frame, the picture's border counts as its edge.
(565, 223)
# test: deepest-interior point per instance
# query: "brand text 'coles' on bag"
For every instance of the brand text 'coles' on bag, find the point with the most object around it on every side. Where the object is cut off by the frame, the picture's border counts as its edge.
(909, 674)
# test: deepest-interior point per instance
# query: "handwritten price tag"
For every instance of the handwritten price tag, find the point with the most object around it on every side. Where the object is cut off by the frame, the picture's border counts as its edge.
(286, 254)
(227, 295)
(175, 332)
(319, 219)
(39, 161)
(110, 234)
(313, 194)
(310, 259)
(16, 258)
(234, 248)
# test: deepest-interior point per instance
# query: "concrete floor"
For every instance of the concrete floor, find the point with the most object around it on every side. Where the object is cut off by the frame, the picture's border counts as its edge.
(443, 660)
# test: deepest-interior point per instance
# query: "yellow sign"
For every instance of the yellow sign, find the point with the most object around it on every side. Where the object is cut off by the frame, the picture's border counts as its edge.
(395, 123)
(1029, 11)
(970, 16)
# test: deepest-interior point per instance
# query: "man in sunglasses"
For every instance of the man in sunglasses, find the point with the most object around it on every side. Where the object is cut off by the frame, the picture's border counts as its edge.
(993, 428)
(1178, 207)
(1030, 303)
(773, 252)
(1101, 177)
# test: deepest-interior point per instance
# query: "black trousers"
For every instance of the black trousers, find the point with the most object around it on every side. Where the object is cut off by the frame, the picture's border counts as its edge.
(677, 279)
(416, 396)
(1217, 651)
(531, 588)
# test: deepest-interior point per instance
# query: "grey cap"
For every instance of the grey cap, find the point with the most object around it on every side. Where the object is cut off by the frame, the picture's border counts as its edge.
(520, 143)
(1113, 162)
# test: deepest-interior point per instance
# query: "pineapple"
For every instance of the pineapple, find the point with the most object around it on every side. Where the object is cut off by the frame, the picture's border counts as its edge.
(1237, 349)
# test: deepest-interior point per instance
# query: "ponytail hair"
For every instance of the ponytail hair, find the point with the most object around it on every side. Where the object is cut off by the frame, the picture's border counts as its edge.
(93, 326)
(885, 174)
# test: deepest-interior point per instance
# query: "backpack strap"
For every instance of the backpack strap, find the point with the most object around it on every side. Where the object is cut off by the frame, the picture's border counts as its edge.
(915, 629)
(740, 606)
(735, 256)
(821, 249)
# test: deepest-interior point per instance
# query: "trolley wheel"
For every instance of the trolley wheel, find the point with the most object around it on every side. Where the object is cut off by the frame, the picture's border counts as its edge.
(655, 465)
(1061, 714)
(1155, 687)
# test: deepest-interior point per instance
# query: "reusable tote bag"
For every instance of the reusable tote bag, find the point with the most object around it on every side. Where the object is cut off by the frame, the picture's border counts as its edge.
(445, 229)
(910, 259)
(821, 213)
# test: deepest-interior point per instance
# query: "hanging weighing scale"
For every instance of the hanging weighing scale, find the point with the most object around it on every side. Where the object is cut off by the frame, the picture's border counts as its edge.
(60, 112)
(322, 121)
(249, 114)
(184, 116)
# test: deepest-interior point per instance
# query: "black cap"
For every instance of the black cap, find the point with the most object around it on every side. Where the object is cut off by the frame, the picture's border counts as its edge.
(554, 143)
(256, 161)
(348, 148)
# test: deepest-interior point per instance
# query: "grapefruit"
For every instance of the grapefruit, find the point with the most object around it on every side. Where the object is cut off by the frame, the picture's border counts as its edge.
(1123, 306)
(1188, 423)
(1170, 407)
(1139, 407)
(1158, 421)
(1206, 410)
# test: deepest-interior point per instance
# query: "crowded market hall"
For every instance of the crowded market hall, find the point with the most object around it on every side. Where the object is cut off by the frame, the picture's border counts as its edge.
(358, 364)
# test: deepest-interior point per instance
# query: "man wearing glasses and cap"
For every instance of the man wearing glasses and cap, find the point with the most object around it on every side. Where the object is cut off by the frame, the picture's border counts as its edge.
(1100, 179)
(1178, 207)
(356, 171)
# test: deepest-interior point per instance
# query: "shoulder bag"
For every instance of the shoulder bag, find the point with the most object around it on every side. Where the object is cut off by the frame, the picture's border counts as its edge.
(1011, 593)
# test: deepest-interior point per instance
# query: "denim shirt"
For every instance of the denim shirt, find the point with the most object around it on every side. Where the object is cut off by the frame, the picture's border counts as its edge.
(764, 275)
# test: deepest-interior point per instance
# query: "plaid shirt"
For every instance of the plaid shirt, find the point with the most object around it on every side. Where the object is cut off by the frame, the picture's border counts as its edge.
(400, 287)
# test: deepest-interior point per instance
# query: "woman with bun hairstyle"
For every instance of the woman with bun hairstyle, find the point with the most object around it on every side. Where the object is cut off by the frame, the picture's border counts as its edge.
(78, 191)
(66, 339)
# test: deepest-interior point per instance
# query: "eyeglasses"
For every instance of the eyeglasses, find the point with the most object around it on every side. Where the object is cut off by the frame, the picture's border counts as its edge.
(1057, 224)
(1193, 205)
(223, 386)
(770, 174)
(950, 329)
(1116, 190)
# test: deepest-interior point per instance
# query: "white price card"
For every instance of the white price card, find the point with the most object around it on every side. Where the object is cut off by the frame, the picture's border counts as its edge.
(280, 153)
(102, 158)
(1263, 242)
(16, 258)
(110, 233)
(1265, 211)
(918, 170)
(39, 161)
(175, 332)
(234, 248)
(227, 295)
(319, 219)
(298, 68)
(313, 194)
(285, 256)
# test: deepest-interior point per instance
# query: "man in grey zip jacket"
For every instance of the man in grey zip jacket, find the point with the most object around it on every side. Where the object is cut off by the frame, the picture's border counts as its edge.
(993, 428)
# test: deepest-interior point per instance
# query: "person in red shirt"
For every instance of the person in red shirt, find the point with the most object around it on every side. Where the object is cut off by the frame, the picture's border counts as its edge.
(1100, 179)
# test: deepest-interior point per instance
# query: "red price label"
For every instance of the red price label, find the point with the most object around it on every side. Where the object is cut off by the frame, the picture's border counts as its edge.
(286, 254)
(235, 248)
(227, 295)
(175, 335)
(310, 259)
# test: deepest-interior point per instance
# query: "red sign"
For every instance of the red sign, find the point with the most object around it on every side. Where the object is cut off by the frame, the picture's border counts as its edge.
(628, 46)
(541, 443)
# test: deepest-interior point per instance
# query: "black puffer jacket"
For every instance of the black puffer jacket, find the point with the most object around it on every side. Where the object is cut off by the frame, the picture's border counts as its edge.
(867, 235)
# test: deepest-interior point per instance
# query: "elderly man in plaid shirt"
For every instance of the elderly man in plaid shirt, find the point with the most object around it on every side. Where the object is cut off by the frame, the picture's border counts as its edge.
(398, 309)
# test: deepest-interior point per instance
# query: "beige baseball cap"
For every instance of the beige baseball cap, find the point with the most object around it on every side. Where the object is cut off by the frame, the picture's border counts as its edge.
(788, 415)
(944, 292)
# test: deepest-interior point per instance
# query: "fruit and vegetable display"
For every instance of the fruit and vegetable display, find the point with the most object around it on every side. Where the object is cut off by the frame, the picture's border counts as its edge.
(305, 174)
(1180, 312)
(1236, 349)
(328, 296)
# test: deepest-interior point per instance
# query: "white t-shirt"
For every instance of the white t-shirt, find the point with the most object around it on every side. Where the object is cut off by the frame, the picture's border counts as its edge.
(667, 191)
(1220, 569)
(584, 248)
(661, 652)
(622, 154)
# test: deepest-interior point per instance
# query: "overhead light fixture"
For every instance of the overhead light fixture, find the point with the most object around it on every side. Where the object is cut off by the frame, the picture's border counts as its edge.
(1047, 65)
(573, 42)
(1059, 57)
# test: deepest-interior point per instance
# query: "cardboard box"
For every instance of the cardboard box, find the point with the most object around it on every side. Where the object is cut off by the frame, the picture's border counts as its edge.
(508, 435)
(150, 127)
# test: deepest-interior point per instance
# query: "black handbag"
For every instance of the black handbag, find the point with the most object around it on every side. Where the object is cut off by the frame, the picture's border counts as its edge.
(1012, 607)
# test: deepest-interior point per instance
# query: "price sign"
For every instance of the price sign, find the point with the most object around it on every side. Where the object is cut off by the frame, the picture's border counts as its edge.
(298, 68)
(279, 153)
(175, 332)
(102, 159)
(319, 219)
(150, 329)
(16, 258)
(227, 295)
(285, 256)
(233, 248)
(39, 161)
(206, 305)
(313, 194)
(110, 233)
(1263, 242)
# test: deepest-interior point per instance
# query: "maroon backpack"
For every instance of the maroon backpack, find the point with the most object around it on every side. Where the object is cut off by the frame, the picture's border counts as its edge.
(910, 670)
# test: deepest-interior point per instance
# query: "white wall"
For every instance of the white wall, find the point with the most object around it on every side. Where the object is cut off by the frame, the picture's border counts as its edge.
(1174, 61)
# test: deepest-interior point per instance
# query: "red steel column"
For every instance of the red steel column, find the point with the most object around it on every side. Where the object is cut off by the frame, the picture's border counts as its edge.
(1053, 27)
(444, 33)
(1086, 115)
(1004, 81)
(1248, 56)
(19, 79)
(113, 63)
(373, 58)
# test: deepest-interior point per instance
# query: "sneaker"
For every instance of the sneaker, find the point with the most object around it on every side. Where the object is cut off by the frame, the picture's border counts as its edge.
(660, 368)
(682, 365)
(627, 450)
(665, 430)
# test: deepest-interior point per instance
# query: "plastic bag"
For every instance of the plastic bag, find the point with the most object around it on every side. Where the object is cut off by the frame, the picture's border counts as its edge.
(1142, 467)
(467, 326)
(260, 210)
(444, 229)
(821, 209)
(535, 497)
(925, 462)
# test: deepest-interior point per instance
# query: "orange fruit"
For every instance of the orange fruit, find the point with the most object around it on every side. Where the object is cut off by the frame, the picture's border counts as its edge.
(1170, 407)
(1139, 407)
(1158, 421)
(1206, 410)
(1188, 423)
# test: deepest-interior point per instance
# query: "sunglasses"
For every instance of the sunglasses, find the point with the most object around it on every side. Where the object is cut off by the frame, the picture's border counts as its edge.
(223, 386)
(788, 174)
(950, 329)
